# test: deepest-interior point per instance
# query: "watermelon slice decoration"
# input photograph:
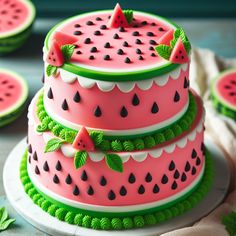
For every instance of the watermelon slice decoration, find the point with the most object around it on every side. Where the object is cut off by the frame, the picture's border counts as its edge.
(83, 141)
(13, 96)
(16, 19)
(62, 38)
(55, 56)
(223, 91)
(167, 37)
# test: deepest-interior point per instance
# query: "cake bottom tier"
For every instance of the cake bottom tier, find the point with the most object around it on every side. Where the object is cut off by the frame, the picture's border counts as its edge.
(109, 221)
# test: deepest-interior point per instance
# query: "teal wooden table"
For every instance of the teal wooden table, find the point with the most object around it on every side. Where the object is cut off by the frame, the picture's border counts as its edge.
(216, 34)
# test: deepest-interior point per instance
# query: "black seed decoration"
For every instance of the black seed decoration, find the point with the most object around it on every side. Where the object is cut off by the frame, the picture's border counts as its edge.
(136, 26)
(77, 97)
(174, 185)
(103, 181)
(65, 105)
(30, 148)
(91, 57)
(58, 166)
(153, 24)
(87, 41)
(202, 146)
(135, 100)
(183, 177)
(97, 112)
(90, 191)
(172, 166)
(35, 156)
(56, 179)
(43, 79)
(107, 45)
(98, 19)
(76, 191)
(132, 178)
(121, 29)
(152, 42)
(120, 52)
(29, 159)
(176, 174)
(198, 161)
(194, 154)
(77, 25)
(68, 179)
(37, 172)
(151, 48)
(50, 94)
(125, 44)
(155, 108)
(106, 57)
(123, 112)
(89, 22)
(144, 22)
(164, 179)
(103, 27)
(140, 58)
(78, 52)
(111, 195)
(153, 54)
(77, 32)
(138, 51)
(135, 33)
(93, 49)
(150, 34)
(194, 171)
(185, 83)
(156, 189)
(141, 189)
(97, 32)
(123, 191)
(161, 29)
(109, 17)
(138, 41)
(176, 97)
(84, 176)
(116, 36)
(45, 166)
(127, 60)
(148, 178)
(187, 167)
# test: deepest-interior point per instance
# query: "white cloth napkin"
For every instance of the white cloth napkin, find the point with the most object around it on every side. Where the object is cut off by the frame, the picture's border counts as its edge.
(205, 65)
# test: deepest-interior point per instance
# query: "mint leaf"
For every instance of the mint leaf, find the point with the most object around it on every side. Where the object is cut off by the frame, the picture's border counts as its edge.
(41, 128)
(163, 51)
(67, 51)
(80, 159)
(230, 223)
(3, 214)
(6, 224)
(51, 70)
(128, 15)
(4, 221)
(97, 137)
(114, 162)
(53, 145)
(70, 136)
(179, 33)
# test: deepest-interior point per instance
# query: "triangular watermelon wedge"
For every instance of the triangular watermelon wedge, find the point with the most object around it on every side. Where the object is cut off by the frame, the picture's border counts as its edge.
(179, 54)
(55, 56)
(166, 38)
(63, 38)
(83, 141)
(118, 18)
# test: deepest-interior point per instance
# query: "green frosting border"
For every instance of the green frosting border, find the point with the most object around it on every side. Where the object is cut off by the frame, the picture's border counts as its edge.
(78, 217)
(123, 143)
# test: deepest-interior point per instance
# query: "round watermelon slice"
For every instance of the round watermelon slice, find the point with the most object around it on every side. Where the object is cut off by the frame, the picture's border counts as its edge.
(223, 93)
(16, 19)
(13, 96)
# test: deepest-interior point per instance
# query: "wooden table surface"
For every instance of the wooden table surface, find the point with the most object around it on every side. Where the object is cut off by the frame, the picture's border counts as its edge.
(216, 34)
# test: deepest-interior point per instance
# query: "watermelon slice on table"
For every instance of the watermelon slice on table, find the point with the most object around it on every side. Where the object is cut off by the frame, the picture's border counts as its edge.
(62, 38)
(13, 96)
(166, 38)
(55, 56)
(223, 93)
(83, 141)
(179, 54)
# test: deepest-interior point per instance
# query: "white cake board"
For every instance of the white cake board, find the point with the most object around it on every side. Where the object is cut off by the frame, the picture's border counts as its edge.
(43, 221)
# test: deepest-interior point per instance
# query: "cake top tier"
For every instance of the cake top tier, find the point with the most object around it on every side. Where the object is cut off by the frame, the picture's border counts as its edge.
(115, 43)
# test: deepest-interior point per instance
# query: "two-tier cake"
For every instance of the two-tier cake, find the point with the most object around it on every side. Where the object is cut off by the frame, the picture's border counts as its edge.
(116, 134)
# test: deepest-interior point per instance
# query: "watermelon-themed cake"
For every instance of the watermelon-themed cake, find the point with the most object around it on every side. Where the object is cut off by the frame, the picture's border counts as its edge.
(223, 91)
(115, 137)
(16, 20)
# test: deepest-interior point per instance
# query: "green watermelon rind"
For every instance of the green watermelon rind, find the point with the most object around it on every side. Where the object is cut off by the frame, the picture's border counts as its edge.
(23, 98)
(116, 76)
(148, 216)
(27, 23)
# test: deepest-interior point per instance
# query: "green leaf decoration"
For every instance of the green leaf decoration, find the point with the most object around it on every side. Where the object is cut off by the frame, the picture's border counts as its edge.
(97, 137)
(67, 51)
(230, 223)
(4, 221)
(114, 162)
(51, 70)
(53, 145)
(80, 159)
(42, 128)
(70, 136)
(128, 15)
(163, 51)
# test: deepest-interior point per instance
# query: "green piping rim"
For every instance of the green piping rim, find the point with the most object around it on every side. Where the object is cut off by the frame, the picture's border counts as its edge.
(157, 137)
(116, 76)
(120, 222)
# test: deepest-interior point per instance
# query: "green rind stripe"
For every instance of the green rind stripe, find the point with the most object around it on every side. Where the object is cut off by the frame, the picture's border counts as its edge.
(119, 222)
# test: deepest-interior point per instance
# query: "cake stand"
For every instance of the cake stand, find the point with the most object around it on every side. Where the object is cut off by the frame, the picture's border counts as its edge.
(43, 221)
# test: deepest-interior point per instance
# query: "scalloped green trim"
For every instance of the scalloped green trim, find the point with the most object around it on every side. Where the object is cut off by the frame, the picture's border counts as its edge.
(63, 212)
(128, 143)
